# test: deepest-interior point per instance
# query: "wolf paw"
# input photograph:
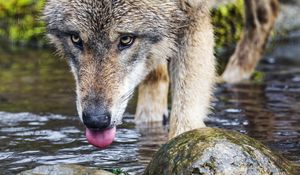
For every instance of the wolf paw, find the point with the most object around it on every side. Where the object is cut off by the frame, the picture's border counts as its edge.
(149, 115)
(235, 75)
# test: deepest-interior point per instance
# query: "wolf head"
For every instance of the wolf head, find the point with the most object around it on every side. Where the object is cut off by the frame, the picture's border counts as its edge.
(110, 45)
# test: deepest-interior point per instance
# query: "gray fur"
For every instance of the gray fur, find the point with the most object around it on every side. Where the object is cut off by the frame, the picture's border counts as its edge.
(106, 76)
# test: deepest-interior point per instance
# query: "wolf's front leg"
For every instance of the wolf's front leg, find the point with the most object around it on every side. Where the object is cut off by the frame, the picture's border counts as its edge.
(260, 18)
(152, 103)
(193, 71)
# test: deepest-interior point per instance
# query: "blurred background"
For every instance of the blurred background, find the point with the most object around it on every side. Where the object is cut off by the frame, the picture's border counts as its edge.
(37, 93)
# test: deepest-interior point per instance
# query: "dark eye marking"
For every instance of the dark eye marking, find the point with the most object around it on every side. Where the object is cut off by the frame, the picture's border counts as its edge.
(126, 41)
(77, 41)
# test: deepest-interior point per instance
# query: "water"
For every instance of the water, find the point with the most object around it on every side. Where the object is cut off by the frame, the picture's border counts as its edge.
(39, 125)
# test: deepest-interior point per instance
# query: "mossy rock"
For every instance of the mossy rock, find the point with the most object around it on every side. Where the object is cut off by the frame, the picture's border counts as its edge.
(65, 170)
(213, 151)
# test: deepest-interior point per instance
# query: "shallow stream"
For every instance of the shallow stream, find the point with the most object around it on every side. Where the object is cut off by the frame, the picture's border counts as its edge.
(38, 122)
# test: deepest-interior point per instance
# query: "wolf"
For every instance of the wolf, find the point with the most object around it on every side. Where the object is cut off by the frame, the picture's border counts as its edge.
(115, 46)
(112, 46)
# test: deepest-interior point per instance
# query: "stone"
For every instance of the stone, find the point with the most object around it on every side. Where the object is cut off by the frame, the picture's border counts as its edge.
(65, 170)
(213, 151)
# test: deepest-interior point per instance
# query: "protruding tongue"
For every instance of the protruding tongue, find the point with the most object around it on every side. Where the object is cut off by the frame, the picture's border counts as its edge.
(101, 139)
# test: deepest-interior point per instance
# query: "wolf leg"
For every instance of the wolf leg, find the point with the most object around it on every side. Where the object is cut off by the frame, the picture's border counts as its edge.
(193, 70)
(152, 103)
(260, 18)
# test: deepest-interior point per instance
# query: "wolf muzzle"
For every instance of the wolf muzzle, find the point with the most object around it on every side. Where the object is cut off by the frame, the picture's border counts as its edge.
(96, 119)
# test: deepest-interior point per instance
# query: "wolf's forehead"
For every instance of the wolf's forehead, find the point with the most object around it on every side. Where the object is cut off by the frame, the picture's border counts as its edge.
(97, 15)
(93, 14)
(108, 16)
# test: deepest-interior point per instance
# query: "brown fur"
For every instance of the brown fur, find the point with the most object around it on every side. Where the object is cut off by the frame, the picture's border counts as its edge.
(153, 96)
(260, 18)
(178, 30)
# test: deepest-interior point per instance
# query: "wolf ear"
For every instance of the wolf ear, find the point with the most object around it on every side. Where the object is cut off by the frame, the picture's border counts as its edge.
(194, 5)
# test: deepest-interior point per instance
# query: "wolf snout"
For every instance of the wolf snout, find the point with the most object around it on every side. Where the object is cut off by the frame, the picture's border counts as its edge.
(96, 120)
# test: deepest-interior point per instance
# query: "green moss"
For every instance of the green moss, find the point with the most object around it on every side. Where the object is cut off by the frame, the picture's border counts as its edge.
(119, 171)
(212, 151)
(258, 77)
(228, 27)
(228, 23)
(19, 21)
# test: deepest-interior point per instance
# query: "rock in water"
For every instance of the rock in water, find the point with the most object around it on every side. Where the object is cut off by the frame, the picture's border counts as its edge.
(212, 151)
(65, 170)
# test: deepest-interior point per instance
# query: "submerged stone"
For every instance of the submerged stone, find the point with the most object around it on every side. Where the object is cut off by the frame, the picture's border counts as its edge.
(213, 151)
(65, 170)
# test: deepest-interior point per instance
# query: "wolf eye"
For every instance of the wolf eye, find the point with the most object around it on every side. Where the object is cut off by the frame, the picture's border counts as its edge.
(126, 41)
(76, 40)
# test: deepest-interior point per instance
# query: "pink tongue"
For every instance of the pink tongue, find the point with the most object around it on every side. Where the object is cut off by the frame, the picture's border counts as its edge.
(101, 139)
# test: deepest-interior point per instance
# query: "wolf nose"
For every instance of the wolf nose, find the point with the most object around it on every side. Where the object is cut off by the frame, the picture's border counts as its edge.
(96, 121)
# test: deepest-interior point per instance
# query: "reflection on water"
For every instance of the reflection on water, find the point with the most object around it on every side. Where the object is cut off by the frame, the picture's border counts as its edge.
(268, 111)
(41, 86)
(35, 81)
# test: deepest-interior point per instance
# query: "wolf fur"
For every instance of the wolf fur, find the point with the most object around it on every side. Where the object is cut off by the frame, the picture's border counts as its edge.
(178, 31)
(260, 17)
